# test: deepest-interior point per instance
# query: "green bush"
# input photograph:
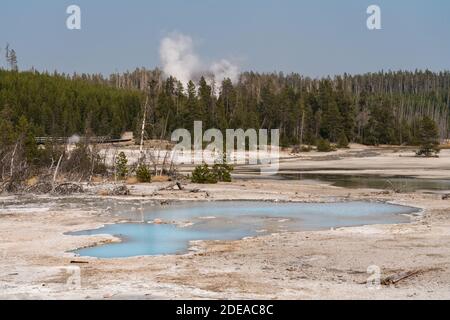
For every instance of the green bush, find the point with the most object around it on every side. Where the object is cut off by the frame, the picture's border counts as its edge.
(324, 146)
(204, 175)
(223, 171)
(428, 138)
(121, 166)
(343, 141)
(143, 174)
(370, 140)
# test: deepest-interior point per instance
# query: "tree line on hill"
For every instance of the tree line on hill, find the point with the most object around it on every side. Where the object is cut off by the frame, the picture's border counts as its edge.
(410, 108)
(380, 108)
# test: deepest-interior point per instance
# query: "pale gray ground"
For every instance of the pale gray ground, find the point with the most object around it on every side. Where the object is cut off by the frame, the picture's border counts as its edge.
(306, 265)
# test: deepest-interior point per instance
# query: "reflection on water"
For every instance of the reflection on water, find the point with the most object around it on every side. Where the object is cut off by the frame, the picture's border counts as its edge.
(403, 184)
(230, 221)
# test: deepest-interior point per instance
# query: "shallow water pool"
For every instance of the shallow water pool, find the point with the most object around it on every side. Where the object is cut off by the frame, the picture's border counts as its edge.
(230, 221)
(403, 184)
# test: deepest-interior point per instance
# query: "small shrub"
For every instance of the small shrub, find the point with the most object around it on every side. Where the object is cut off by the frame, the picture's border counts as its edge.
(121, 166)
(223, 171)
(371, 140)
(428, 138)
(343, 141)
(204, 175)
(143, 174)
(324, 145)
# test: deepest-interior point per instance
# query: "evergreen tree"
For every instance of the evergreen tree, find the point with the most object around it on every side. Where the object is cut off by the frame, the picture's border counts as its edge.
(343, 141)
(376, 108)
(324, 145)
(428, 138)
(193, 111)
(205, 101)
(204, 175)
(27, 141)
(121, 166)
(12, 60)
(381, 126)
(143, 174)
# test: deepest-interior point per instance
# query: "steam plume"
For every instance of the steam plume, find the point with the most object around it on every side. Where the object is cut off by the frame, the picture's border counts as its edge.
(179, 59)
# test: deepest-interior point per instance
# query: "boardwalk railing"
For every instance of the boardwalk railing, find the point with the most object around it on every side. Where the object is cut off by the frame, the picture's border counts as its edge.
(65, 140)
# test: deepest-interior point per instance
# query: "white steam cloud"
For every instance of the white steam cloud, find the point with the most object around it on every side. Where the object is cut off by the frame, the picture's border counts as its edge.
(225, 69)
(74, 139)
(179, 59)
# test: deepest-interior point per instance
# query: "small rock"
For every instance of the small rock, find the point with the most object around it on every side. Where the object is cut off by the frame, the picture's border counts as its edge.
(120, 191)
(40, 188)
(68, 188)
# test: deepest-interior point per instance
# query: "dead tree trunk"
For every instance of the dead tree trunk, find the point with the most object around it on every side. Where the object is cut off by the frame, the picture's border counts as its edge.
(56, 171)
(141, 149)
(12, 160)
(301, 129)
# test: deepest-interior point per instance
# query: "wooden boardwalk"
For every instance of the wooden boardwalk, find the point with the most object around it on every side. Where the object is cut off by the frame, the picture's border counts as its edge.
(64, 140)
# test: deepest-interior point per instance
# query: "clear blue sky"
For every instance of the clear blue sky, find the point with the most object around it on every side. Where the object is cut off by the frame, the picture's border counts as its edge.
(312, 37)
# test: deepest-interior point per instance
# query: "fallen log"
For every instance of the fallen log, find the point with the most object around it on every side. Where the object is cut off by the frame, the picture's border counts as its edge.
(171, 187)
(395, 278)
(179, 186)
(79, 262)
(167, 188)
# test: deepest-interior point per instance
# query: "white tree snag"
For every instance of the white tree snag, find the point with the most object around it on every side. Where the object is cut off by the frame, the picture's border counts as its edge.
(301, 130)
(56, 170)
(12, 160)
(141, 149)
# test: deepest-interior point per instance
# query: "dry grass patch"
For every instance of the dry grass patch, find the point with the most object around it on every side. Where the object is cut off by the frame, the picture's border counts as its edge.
(160, 178)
